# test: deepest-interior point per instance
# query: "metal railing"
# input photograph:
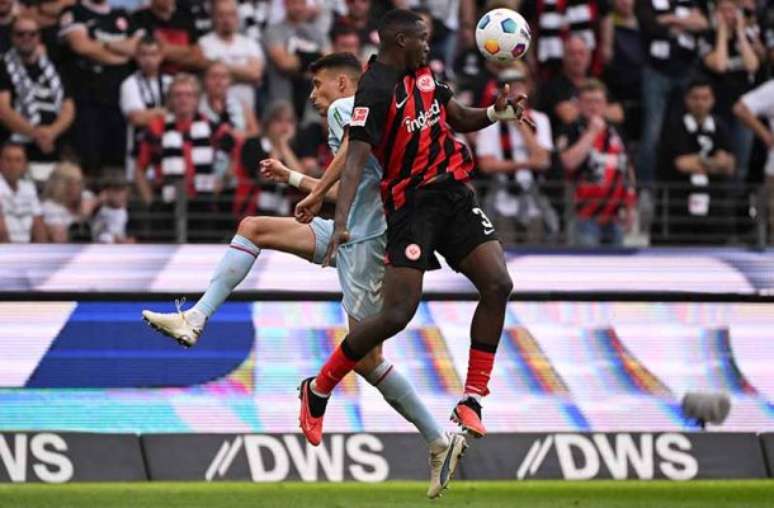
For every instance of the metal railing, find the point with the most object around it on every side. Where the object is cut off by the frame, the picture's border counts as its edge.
(544, 216)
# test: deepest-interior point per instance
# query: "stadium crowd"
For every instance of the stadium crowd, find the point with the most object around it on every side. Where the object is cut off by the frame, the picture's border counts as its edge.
(110, 109)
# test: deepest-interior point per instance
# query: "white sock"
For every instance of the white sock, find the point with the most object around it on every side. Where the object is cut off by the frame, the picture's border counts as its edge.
(313, 387)
(440, 444)
(400, 394)
(233, 268)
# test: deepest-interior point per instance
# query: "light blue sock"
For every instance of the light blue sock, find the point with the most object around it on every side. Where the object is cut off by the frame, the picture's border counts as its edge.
(397, 390)
(233, 268)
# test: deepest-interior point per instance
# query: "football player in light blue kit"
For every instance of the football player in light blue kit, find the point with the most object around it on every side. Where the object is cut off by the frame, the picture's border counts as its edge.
(359, 262)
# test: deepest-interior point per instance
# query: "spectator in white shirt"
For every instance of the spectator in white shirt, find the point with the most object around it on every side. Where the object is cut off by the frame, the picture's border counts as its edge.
(66, 202)
(242, 55)
(517, 157)
(143, 95)
(21, 217)
(754, 104)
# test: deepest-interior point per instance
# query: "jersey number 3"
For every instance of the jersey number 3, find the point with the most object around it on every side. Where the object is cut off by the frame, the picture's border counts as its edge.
(488, 227)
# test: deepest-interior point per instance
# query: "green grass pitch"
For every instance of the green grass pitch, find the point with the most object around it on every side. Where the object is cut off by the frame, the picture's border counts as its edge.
(544, 494)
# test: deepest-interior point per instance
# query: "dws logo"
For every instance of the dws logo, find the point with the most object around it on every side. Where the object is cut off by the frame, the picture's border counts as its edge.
(365, 465)
(580, 456)
(44, 451)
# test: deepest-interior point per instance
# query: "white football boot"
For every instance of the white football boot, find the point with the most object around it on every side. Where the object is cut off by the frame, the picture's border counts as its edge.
(444, 462)
(177, 325)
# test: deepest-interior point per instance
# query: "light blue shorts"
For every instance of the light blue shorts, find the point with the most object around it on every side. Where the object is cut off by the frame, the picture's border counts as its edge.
(360, 266)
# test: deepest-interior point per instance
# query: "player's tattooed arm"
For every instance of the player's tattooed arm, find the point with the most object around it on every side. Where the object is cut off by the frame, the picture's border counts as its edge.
(357, 155)
(465, 119)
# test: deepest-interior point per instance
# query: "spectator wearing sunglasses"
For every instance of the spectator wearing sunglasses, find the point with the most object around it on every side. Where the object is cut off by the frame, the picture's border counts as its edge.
(36, 108)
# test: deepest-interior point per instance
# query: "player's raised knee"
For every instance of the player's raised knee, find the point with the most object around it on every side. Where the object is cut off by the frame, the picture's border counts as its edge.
(252, 229)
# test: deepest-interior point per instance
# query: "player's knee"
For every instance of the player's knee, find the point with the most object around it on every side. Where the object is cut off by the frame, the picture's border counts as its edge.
(498, 289)
(397, 318)
(252, 228)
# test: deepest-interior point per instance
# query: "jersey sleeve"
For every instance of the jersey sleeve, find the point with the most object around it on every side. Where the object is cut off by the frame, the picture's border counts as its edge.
(369, 114)
(339, 116)
(70, 20)
(130, 99)
(444, 92)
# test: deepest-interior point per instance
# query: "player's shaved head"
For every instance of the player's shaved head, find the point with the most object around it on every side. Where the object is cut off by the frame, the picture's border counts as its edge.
(395, 22)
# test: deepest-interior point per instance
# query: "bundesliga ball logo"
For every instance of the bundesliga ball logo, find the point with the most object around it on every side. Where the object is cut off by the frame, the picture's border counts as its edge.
(503, 35)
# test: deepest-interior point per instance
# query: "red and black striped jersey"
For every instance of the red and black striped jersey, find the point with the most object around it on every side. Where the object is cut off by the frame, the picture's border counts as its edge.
(601, 183)
(402, 115)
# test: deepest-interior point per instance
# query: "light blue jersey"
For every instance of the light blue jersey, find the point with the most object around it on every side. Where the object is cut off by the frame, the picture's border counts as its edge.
(366, 217)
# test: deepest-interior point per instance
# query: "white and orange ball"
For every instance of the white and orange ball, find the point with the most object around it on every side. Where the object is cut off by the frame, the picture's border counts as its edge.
(503, 35)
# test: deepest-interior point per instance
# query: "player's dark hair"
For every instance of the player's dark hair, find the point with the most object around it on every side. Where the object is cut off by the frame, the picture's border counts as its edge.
(397, 21)
(343, 61)
(698, 82)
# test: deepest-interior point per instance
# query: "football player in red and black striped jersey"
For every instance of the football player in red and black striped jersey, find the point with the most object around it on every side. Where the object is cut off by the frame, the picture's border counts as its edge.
(408, 119)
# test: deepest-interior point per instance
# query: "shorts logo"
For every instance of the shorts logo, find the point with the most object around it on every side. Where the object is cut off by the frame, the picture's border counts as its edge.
(426, 83)
(413, 252)
(359, 117)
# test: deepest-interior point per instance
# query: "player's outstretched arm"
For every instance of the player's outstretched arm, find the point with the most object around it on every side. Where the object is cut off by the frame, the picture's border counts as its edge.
(465, 119)
(276, 171)
(357, 155)
(325, 188)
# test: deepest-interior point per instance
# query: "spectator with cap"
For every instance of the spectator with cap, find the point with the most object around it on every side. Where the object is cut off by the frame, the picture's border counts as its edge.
(36, 106)
(696, 158)
(67, 205)
(101, 40)
(292, 45)
(517, 159)
(594, 158)
(143, 95)
(21, 217)
(242, 56)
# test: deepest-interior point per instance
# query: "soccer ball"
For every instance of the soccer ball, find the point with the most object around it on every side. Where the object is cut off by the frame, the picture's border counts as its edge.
(502, 35)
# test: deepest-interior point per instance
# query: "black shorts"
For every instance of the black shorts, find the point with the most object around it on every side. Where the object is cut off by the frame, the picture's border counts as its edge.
(442, 217)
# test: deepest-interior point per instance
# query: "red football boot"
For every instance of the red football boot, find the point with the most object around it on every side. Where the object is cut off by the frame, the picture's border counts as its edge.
(467, 414)
(310, 425)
